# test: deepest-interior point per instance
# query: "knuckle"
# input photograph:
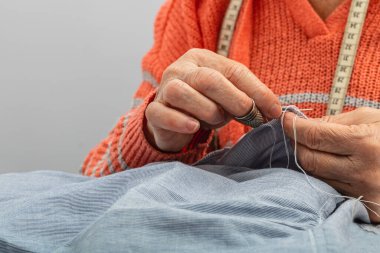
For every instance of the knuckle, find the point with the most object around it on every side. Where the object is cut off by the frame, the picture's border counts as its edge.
(244, 105)
(193, 51)
(263, 93)
(312, 135)
(196, 52)
(236, 71)
(204, 79)
(174, 70)
(308, 160)
(173, 90)
(211, 116)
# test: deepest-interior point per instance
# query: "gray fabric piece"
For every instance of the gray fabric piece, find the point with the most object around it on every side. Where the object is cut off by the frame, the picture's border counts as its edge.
(227, 202)
(256, 150)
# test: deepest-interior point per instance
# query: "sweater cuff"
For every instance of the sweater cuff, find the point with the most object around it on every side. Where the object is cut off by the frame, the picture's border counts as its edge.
(138, 151)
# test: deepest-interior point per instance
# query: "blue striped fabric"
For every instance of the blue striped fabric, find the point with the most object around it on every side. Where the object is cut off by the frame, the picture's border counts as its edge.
(228, 202)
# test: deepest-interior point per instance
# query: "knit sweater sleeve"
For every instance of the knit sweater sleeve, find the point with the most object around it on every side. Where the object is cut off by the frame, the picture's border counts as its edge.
(176, 31)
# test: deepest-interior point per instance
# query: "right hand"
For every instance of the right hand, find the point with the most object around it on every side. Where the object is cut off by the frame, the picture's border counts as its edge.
(203, 89)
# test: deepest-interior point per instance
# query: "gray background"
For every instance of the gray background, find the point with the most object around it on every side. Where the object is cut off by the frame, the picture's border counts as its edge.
(68, 69)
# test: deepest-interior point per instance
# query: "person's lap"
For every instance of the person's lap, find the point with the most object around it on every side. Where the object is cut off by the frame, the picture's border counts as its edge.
(225, 202)
(168, 207)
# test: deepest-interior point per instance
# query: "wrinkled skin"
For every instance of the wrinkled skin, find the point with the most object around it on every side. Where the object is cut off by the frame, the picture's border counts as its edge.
(343, 151)
(203, 89)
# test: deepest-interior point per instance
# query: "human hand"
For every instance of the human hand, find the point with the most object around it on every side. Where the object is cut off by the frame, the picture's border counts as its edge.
(343, 151)
(203, 89)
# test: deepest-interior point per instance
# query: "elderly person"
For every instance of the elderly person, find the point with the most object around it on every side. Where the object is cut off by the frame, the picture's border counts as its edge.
(282, 52)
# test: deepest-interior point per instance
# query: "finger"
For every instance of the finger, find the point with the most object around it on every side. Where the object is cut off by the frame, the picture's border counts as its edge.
(325, 165)
(362, 115)
(241, 77)
(181, 96)
(162, 117)
(322, 136)
(215, 86)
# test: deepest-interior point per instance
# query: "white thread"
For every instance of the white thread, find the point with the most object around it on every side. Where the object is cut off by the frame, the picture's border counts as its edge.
(304, 172)
(283, 134)
(354, 207)
(275, 139)
(285, 109)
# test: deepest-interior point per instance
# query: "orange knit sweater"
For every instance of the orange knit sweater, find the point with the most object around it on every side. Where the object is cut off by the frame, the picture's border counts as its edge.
(284, 42)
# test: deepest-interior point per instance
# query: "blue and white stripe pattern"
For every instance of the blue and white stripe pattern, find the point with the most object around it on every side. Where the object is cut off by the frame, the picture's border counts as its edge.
(228, 202)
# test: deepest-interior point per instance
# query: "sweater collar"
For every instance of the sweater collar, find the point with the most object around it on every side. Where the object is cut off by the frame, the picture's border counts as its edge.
(312, 24)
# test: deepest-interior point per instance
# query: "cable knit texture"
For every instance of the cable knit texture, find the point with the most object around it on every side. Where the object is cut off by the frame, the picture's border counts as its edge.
(284, 42)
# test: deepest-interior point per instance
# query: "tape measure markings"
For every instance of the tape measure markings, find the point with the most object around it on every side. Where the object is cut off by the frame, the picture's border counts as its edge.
(347, 55)
(228, 27)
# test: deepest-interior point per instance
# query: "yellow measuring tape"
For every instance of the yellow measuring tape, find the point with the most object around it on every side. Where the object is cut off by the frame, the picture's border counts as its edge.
(347, 55)
(228, 27)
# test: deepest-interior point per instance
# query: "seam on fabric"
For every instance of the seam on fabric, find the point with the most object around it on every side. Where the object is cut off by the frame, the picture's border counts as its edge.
(312, 241)
(322, 209)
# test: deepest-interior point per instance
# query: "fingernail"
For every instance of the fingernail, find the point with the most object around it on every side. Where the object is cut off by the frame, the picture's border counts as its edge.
(192, 125)
(275, 111)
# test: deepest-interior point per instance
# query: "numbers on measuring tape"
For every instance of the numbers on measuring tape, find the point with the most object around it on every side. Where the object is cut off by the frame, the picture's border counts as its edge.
(228, 27)
(347, 55)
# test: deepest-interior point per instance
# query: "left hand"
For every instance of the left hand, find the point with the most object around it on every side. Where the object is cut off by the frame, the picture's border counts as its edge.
(343, 151)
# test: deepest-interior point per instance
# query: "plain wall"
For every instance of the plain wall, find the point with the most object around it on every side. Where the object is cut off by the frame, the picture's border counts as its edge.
(68, 70)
